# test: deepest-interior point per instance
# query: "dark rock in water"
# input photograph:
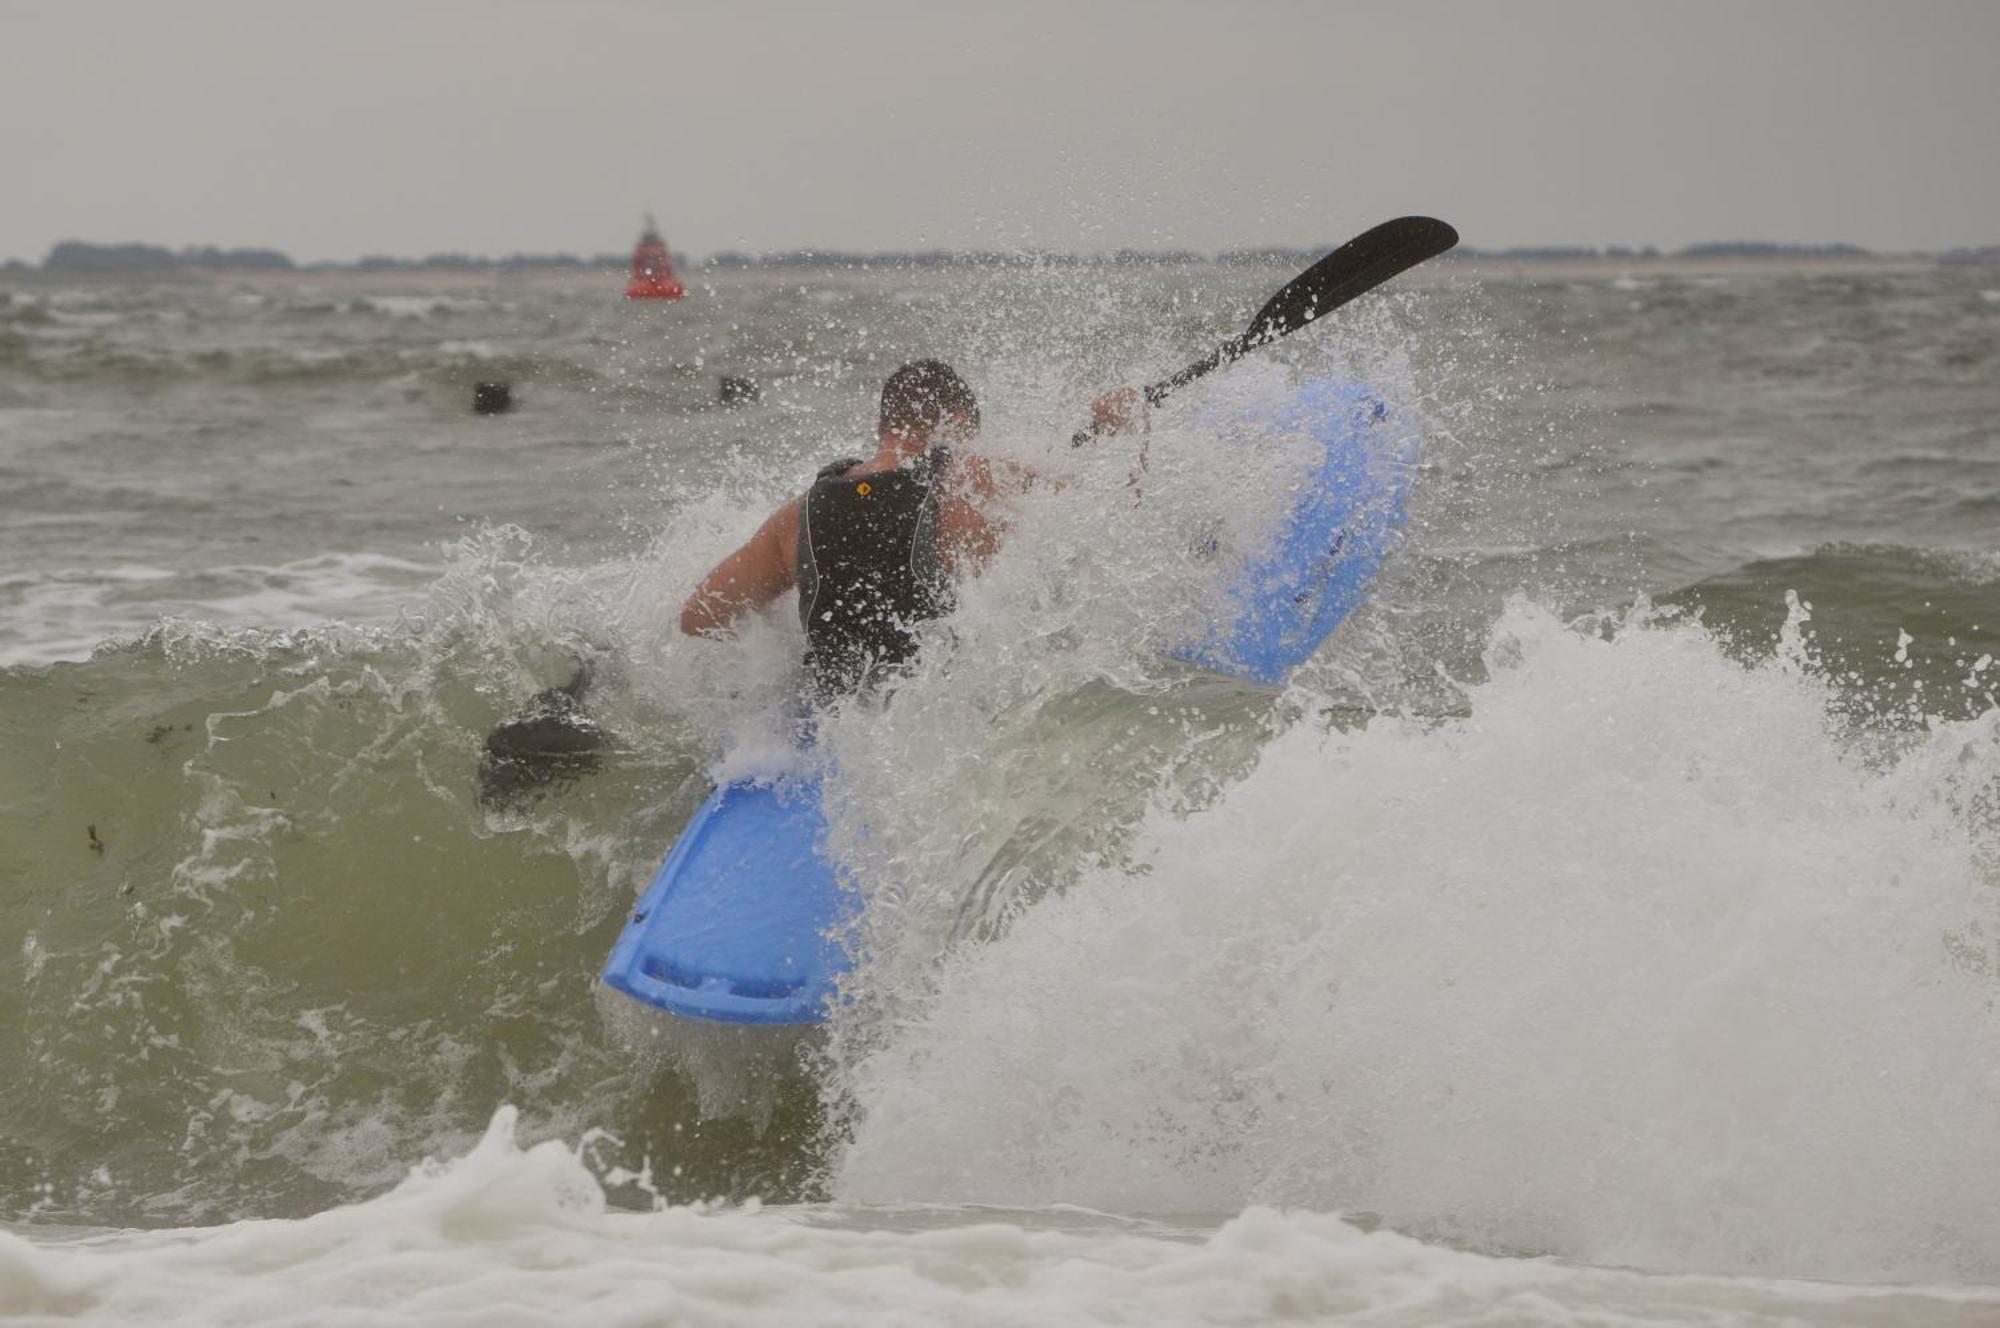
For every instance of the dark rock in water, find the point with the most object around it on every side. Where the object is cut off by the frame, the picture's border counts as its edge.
(548, 742)
(492, 399)
(738, 391)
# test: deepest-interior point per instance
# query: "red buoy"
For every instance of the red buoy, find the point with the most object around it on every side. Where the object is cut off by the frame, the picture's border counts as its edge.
(653, 268)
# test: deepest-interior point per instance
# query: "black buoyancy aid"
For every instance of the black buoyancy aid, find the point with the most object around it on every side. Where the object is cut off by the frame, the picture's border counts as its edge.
(869, 570)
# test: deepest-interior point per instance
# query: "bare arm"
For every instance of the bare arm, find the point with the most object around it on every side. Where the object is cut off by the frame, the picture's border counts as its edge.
(973, 515)
(749, 578)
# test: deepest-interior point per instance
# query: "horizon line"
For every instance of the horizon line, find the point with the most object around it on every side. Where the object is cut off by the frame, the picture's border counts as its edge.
(81, 256)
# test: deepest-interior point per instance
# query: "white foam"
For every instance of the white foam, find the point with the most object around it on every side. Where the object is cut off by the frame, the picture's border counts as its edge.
(1639, 963)
(67, 613)
(523, 1236)
(415, 306)
(471, 350)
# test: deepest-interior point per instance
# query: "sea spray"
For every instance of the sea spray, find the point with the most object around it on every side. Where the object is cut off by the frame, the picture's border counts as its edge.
(1639, 962)
(1049, 709)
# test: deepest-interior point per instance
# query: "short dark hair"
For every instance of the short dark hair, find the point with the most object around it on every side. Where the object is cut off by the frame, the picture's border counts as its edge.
(919, 395)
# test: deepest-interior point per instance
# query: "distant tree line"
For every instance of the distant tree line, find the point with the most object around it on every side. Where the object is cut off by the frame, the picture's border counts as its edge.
(1553, 253)
(883, 258)
(1765, 249)
(386, 263)
(80, 256)
(1258, 257)
(75, 255)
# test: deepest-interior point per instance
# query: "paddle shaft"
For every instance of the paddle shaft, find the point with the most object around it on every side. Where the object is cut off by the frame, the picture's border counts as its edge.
(1354, 269)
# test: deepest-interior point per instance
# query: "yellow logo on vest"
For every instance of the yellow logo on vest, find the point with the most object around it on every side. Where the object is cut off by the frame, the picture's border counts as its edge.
(862, 490)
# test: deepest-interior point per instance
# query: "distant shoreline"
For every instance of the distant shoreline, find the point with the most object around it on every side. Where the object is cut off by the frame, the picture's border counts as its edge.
(1477, 267)
(78, 259)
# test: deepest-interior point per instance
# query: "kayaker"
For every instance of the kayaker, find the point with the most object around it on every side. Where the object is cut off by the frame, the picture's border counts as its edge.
(875, 545)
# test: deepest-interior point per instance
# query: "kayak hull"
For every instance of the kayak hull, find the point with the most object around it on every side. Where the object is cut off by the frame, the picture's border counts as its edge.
(738, 923)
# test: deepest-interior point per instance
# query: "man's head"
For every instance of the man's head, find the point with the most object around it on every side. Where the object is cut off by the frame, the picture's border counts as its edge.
(921, 396)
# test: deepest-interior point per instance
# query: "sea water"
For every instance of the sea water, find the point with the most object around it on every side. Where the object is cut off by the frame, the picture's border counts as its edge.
(1601, 929)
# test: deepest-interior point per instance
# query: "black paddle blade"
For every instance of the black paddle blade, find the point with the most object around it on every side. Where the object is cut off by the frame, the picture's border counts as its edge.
(1357, 267)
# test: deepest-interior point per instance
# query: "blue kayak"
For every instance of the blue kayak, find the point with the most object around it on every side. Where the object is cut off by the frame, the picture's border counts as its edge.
(739, 925)
(1284, 604)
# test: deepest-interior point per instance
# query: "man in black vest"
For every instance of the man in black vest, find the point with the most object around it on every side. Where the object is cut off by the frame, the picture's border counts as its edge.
(874, 545)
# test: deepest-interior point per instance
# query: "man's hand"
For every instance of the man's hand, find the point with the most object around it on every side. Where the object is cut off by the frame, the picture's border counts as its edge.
(1120, 410)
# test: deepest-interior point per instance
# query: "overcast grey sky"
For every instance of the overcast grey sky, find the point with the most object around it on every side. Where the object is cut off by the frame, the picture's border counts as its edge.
(346, 127)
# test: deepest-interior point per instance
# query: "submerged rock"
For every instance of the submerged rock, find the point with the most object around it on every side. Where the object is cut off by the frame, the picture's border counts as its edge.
(492, 398)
